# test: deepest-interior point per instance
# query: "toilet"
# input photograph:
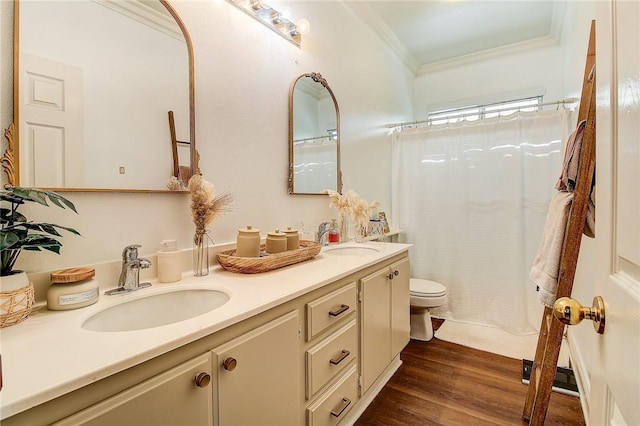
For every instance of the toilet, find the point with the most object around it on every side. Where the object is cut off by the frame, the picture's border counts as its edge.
(424, 294)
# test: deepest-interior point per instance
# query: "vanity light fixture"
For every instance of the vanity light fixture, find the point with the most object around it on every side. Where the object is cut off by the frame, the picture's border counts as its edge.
(273, 19)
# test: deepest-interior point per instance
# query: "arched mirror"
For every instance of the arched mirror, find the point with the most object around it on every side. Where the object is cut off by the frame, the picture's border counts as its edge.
(94, 84)
(314, 137)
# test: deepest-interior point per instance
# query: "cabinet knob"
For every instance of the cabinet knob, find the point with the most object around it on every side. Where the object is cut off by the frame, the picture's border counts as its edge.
(396, 272)
(202, 380)
(229, 364)
(390, 276)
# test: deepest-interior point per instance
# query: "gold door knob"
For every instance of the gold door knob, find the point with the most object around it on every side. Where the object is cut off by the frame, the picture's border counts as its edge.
(571, 312)
(202, 380)
(229, 364)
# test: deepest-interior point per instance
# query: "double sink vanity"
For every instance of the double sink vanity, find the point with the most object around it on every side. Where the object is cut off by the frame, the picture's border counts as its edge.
(309, 344)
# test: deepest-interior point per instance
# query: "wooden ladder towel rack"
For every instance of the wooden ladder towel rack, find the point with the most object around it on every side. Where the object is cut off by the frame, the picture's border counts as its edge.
(550, 338)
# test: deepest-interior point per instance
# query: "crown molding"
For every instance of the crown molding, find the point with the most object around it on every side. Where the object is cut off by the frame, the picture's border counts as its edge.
(143, 13)
(510, 49)
(372, 19)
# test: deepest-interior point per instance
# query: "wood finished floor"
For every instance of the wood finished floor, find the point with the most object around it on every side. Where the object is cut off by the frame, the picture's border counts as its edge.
(441, 383)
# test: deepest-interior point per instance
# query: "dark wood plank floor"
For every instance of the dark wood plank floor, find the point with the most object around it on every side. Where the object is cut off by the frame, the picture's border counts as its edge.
(441, 383)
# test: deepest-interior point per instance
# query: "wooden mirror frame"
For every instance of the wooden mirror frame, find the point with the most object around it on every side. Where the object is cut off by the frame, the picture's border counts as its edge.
(317, 77)
(10, 159)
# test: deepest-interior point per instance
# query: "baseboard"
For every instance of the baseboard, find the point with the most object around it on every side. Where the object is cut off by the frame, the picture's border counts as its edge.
(373, 391)
(582, 374)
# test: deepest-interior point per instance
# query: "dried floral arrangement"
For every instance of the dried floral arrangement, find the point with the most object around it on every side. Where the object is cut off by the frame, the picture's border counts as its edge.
(205, 204)
(351, 205)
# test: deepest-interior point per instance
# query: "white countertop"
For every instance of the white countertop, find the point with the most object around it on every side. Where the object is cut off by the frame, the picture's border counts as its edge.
(49, 354)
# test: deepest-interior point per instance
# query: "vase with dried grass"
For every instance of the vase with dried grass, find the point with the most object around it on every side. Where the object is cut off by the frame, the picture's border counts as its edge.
(351, 206)
(205, 207)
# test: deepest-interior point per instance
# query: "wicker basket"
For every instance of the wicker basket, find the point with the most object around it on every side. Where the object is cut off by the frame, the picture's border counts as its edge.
(15, 306)
(267, 262)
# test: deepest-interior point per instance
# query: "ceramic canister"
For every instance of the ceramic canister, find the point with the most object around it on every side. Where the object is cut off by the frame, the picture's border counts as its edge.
(276, 242)
(248, 242)
(293, 238)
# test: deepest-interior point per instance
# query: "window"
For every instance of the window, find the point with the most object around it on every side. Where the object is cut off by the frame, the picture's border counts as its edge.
(476, 112)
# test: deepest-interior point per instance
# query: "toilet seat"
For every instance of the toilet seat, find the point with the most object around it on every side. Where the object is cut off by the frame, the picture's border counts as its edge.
(426, 288)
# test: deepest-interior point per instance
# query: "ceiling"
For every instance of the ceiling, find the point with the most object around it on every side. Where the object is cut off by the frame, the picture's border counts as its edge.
(436, 34)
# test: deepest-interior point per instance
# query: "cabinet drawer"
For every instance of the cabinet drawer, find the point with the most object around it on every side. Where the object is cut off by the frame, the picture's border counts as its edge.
(333, 406)
(329, 309)
(331, 356)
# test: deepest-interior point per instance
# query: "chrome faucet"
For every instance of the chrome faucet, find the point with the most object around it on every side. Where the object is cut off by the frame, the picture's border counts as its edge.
(323, 231)
(130, 274)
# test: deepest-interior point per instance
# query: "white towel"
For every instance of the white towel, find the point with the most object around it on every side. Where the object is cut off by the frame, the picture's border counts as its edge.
(546, 265)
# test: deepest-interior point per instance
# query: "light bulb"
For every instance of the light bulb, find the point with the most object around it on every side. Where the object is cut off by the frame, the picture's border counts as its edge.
(285, 11)
(303, 26)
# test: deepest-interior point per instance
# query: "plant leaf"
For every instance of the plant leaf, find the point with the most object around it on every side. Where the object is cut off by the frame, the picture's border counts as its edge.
(8, 239)
(60, 201)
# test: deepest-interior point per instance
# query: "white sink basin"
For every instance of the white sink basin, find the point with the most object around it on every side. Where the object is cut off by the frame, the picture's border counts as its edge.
(156, 310)
(351, 249)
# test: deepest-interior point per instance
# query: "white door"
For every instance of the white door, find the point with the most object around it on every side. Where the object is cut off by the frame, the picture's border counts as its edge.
(51, 123)
(615, 379)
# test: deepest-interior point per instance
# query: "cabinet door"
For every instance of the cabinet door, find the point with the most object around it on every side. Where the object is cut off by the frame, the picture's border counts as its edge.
(375, 326)
(400, 311)
(171, 398)
(258, 376)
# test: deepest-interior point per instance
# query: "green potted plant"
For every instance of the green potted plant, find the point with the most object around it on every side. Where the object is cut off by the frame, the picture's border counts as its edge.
(17, 234)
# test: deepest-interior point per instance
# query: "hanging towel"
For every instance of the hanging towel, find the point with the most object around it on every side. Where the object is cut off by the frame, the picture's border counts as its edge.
(569, 175)
(546, 265)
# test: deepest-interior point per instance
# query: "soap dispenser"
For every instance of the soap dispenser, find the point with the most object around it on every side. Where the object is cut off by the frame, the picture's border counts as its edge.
(333, 235)
(169, 262)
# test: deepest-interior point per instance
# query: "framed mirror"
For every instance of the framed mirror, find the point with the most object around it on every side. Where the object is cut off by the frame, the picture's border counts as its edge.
(96, 84)
(314, 137)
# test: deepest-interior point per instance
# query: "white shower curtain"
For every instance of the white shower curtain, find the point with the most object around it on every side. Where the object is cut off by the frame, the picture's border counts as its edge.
(472, 197)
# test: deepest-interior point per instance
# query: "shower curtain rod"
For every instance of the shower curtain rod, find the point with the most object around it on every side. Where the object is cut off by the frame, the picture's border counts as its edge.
(428, 120)
(317, 138)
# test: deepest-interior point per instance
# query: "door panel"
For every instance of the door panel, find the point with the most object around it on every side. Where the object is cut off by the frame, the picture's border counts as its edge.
(616, 373)
(51, 124)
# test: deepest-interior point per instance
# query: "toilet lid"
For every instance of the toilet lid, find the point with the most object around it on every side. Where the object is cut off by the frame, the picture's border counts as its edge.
(426, 288)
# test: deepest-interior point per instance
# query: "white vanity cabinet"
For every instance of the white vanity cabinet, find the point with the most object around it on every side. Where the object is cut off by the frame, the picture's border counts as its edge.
(257, 376)
(384, 319)
(179, 396)
(315, 359)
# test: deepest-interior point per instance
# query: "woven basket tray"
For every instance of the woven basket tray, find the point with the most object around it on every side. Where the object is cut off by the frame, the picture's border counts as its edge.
(267, 262)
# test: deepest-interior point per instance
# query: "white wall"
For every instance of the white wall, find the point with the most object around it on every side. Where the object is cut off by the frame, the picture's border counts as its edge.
(243, 72)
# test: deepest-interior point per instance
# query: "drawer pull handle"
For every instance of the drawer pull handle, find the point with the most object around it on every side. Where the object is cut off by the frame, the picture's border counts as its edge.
(202, 380)
(336, 412)
(335, 361)
(338, 311)
(229, 364)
